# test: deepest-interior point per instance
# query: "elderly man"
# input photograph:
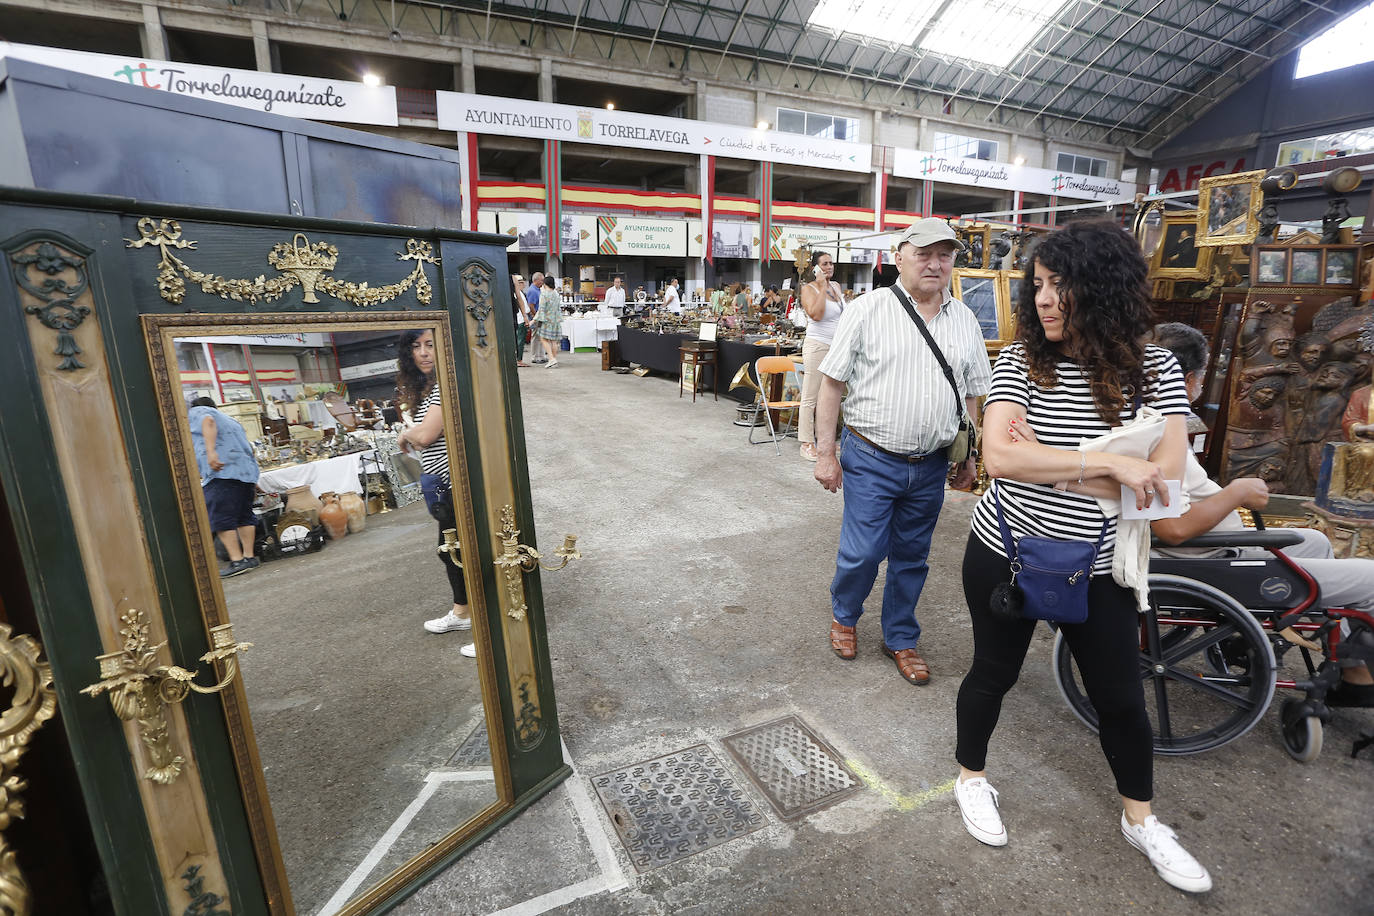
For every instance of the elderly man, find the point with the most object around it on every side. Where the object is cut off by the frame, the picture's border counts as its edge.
(900, 416)
(532, 300)
(615, 299)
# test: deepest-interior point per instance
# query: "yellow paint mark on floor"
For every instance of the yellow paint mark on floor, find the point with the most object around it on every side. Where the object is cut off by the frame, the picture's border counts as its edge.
(894, 798)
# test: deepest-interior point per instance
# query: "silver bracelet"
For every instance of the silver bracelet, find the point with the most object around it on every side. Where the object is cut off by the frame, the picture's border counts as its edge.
(1082, 464)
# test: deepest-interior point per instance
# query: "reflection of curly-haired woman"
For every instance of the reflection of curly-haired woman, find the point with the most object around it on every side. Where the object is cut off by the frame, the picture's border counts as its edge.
(1078, 368)
(419, 392)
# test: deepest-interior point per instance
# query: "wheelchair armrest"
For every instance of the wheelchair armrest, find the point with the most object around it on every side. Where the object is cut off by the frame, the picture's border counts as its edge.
(1273, 537)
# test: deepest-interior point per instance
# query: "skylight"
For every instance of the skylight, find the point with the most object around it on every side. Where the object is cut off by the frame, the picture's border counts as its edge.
(873, 18)
(1345, 44)
(990, 32)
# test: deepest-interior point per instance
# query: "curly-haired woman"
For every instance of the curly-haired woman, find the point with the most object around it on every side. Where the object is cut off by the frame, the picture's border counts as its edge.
(419, 392)
(1078, 368)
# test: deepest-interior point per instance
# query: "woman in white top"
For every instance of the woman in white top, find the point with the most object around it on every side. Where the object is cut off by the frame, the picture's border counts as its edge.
(671, 302)
(823, 302)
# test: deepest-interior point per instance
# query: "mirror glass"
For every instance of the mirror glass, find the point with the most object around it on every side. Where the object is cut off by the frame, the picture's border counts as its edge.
(1151, 229)
(370, 727)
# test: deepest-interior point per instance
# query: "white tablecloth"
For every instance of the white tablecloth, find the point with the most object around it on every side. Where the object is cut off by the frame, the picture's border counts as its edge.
(328, 475)
(590, 330)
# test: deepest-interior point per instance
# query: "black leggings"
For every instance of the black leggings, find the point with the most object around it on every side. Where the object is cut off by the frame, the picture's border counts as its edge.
(1106, 647)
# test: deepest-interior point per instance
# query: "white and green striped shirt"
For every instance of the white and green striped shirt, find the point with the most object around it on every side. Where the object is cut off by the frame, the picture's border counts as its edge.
(898, 396)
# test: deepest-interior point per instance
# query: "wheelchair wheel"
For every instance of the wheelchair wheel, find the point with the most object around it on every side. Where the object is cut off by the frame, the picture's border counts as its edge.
(1302, 735)
(1207, 666)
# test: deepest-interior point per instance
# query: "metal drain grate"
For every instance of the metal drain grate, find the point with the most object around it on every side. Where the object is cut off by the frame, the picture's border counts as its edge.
(676, 806)
(796, 771)
(475, 751)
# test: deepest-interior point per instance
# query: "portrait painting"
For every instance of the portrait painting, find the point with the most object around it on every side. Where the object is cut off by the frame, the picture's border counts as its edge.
(1228, 209)
(1177, 257)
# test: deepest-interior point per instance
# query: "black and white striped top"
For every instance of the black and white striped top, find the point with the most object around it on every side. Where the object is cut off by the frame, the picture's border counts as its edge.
(434, 459)
(1060, 417)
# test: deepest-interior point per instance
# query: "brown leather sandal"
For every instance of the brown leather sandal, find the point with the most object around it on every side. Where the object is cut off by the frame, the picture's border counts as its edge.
(910, 664)
(843, 641)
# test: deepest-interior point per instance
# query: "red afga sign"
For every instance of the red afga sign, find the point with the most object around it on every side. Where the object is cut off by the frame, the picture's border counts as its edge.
(1186, 177)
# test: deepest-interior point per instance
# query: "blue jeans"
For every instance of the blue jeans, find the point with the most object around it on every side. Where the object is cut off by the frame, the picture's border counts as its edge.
(890, 509)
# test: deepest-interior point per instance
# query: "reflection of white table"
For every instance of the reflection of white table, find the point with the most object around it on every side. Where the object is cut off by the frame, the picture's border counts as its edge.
(590, 330)
(328, 475)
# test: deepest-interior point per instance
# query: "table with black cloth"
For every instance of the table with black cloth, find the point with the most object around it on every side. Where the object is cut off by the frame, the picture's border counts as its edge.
(659, 352)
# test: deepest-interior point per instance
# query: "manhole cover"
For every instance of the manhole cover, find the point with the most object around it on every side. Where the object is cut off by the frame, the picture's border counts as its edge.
(475, 751)
(672, 807)
(797, 771)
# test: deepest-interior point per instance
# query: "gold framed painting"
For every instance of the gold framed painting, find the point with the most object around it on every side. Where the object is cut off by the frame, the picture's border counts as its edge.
(1228, 209)
(1178, 256)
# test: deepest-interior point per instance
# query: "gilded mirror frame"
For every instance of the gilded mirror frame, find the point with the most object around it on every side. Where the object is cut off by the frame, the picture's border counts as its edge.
(160, 331)
(1006, 331)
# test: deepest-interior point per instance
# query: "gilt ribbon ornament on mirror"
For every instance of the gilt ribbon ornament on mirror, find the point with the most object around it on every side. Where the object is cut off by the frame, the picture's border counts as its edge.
(298, 262)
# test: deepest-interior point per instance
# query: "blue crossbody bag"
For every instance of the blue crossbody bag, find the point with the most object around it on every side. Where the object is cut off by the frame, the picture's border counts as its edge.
(1049, 576)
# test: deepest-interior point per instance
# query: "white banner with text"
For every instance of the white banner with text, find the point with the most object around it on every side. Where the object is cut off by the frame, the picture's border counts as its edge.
(483, 114)
(1003, 176)
(275, 93)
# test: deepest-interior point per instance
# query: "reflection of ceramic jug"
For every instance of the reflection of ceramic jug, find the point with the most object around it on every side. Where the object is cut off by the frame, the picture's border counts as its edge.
(333, 517)
(356, 510)
(300, 499)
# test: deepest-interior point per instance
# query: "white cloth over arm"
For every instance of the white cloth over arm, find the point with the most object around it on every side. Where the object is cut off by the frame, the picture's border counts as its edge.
(1136, 438)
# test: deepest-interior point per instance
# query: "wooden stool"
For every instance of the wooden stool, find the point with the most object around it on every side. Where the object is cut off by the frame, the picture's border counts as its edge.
(698, 355)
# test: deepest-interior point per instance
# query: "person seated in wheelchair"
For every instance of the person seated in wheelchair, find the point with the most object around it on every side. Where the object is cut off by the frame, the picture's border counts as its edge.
(1210, 507)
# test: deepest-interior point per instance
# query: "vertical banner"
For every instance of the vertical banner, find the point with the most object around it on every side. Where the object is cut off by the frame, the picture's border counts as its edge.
(708, 197)
(467, 151)
(1018, 201)
(766, 208)
(1050, 214)
(879, 211)
(928, 198)
(553, 195)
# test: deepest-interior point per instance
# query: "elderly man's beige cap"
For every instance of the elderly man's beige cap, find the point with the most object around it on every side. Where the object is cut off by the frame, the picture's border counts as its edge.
(930, 230)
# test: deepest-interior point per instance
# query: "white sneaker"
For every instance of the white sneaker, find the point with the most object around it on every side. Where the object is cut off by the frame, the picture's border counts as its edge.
(448, 623)
(1171, 860)
(978, 807)
(470, 650)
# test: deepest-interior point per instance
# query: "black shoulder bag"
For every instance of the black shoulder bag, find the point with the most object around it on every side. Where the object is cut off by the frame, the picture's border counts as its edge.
(965, 444)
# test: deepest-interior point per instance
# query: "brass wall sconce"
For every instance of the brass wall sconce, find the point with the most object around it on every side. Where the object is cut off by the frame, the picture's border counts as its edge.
(516, 558)
(141, 689)
(450, 547)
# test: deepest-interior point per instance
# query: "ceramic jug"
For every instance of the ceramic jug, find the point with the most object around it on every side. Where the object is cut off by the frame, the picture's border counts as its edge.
(356, 511)
(333, 517)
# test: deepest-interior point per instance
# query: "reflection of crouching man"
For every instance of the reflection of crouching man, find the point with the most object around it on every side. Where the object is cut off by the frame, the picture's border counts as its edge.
(1211, 507)
(229, 476)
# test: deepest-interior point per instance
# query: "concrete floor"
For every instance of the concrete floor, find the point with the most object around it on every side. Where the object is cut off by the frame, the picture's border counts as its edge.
(701, 609)
(357, 710)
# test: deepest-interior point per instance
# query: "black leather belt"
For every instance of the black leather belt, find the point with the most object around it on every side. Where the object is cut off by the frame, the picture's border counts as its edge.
(898, 455)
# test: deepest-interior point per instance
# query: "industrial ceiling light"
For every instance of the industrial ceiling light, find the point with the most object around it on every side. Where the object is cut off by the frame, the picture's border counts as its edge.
(1019, 160)
(762, 125)
(371, 79)
(610, 106)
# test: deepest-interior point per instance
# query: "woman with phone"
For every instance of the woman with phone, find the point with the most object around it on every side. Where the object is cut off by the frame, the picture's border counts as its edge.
(823, 302)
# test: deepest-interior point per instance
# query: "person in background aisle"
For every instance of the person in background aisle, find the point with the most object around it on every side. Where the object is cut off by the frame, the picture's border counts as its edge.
(823, 303)
(901, 415)
(742, 300)
(417, 384)
(549, 321)
(229, 479)
(615, 298)
(532, 300)
(671, 301)
(1078, 369)
(522, 317)
(717, 301)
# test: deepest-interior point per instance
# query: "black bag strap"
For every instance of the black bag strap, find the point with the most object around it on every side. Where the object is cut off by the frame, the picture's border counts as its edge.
(934, 347)
(1010, 545)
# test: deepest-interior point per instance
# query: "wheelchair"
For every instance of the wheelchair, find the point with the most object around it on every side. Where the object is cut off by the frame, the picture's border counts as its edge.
(1214, 639)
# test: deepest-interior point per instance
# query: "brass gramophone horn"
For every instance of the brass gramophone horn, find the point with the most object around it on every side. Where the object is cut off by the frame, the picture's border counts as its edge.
(743, 379)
